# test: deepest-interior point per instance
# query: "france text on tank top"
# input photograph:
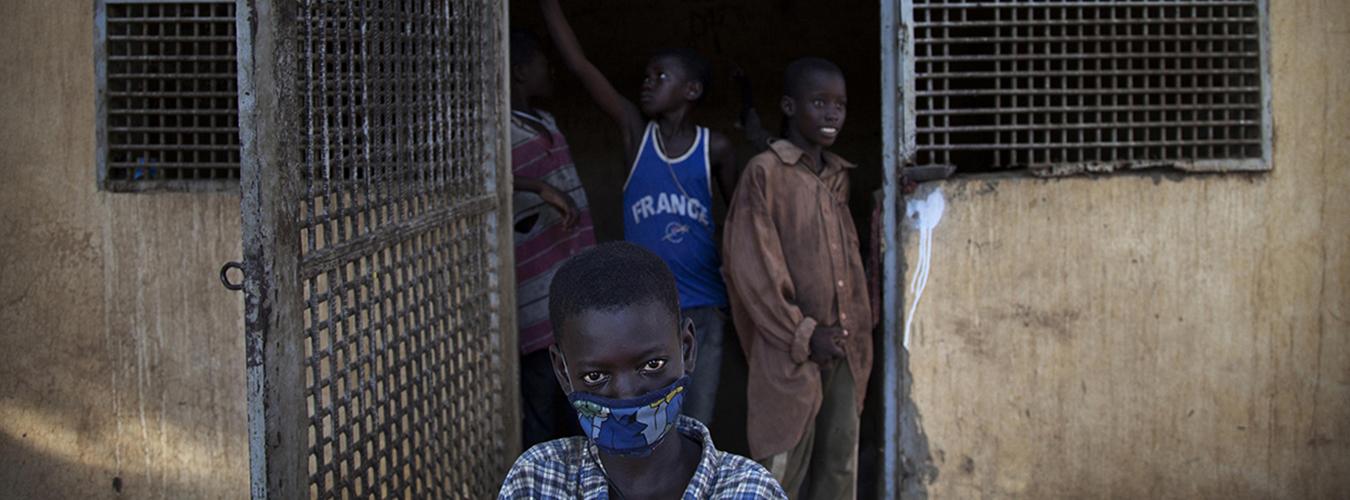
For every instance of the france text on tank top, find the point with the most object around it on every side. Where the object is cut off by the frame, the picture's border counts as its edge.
(668, 210)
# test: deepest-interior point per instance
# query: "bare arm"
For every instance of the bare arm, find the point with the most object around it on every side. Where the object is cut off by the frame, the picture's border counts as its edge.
(559, 200)
(624, 113)
(724, 164)
(748, 121)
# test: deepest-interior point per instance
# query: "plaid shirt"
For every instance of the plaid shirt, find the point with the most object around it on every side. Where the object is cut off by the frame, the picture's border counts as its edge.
(565, 468)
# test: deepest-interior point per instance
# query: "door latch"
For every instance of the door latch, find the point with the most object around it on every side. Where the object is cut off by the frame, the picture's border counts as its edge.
(225, 275)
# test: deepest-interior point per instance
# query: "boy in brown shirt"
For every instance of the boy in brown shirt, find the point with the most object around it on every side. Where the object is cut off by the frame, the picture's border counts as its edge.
(798, 294)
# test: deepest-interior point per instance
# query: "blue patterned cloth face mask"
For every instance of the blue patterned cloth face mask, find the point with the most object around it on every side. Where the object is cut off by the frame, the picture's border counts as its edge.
(633, 426)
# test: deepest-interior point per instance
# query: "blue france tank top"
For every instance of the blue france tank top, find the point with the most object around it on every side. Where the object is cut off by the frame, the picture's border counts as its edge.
(668, 210)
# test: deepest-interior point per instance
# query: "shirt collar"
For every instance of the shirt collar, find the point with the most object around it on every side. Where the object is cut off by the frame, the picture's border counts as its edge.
(790, 154)
(594, 485)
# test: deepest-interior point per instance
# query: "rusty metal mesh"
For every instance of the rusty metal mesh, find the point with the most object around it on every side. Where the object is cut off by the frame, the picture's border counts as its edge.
(1032, 83)
(171, 92)
(398, 247)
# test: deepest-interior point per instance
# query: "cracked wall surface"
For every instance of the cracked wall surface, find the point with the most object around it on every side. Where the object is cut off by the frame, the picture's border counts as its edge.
(125, 373)
(1152, 335)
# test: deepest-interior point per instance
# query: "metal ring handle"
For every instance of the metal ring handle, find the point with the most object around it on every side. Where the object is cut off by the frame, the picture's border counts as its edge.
(225, 275)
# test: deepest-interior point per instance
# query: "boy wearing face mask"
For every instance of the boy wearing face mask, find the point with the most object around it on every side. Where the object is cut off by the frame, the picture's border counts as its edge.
(624, 357)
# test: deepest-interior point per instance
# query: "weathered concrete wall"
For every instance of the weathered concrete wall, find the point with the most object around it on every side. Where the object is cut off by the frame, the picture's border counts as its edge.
(1145, 337)
(124, 355)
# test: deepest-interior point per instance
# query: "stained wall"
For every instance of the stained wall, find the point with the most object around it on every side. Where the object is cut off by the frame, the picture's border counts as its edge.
(1151, 336)
(124, 370)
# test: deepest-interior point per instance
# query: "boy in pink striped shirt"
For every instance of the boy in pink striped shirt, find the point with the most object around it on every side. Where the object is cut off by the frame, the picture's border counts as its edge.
(552, 222)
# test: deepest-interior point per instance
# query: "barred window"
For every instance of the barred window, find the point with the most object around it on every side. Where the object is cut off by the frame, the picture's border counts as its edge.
(1066, 86)
(168, 116)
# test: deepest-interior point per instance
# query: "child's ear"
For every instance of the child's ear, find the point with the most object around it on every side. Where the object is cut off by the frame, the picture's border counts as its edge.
(688, 345)
(559, 368)
(788, 106)
(693, 91)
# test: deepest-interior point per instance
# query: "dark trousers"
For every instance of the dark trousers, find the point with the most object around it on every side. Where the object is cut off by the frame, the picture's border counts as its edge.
(544, 408)
(710, 325)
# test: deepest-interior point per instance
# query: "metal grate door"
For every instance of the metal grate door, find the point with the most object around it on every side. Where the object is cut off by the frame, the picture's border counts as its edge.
(380, 340)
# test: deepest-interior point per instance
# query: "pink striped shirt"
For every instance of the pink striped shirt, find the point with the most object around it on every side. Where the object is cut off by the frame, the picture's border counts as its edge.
(541, 242)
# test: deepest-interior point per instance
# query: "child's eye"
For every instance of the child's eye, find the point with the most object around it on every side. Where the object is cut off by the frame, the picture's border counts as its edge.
(592, 378)
(661, 76)
(654, 365)
(818, 103)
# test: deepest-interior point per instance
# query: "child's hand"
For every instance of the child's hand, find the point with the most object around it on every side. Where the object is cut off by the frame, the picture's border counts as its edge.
(563, 203)
(825, 344)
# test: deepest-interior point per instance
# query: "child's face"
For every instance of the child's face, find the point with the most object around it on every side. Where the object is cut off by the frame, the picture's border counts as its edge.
(535, 78)
(817, 113)
(666, 85)
(623, 353)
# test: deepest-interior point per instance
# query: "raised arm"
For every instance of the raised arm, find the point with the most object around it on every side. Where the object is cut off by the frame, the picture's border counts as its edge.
(624, 113)
(748, 120)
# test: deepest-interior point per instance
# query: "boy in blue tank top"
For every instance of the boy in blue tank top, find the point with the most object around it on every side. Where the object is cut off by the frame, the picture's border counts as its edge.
(668, 194)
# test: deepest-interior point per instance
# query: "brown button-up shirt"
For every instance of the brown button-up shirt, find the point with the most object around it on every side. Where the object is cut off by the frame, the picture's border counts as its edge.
(791, 263)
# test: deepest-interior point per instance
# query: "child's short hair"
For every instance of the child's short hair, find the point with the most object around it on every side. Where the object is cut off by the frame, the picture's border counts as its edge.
(608, 277)
(524, 47)
(698, 67)
(799, 70)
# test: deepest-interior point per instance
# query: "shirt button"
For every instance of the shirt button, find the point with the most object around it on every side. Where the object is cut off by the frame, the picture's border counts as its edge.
(843, 316)
(845, 333)
(840, 283)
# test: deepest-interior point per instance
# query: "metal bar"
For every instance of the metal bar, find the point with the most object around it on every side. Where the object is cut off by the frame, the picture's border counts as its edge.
(154, 2)
(1267, 121)
(1139, 143)
(1075, 126)
(506, 267)
(1097, 4)
(175, 165)
(892, 83)
(1081, 73)
(175, 147)
(1110, 91)
(129, 111)
(101, 93)
(1014, 110)
(168, 19)
(173, 76)
(171, 58)
(1188, 20)
(1081, 38)
(159, 38)
(186, 130)
(326, 259)
(1133, 55)
(273, 315)
(220, 185)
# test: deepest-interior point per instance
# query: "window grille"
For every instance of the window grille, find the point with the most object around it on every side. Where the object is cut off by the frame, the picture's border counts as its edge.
(168, 103)
(1063, 86)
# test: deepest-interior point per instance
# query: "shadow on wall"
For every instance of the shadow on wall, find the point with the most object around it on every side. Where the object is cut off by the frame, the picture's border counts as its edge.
(126, 353)
(52, 464)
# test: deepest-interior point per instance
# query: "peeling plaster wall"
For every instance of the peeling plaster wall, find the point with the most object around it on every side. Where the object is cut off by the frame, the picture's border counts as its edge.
(1140, 336)
(124, 353)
